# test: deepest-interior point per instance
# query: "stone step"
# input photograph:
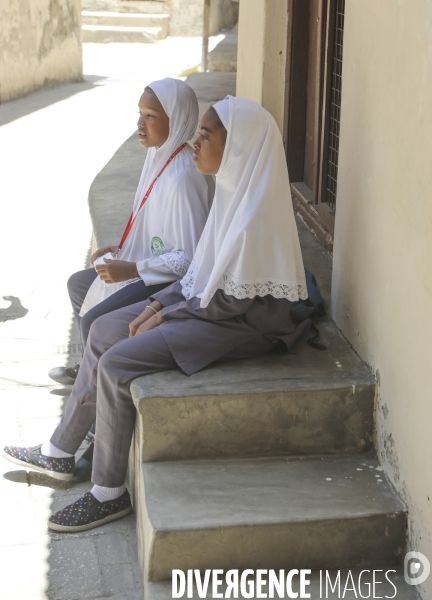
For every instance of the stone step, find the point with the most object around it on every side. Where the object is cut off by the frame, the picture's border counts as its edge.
(224, 56)
(118, 19)
(321, 585)
(105, 34)
(309, 403)
(277, 513)
(125, 6)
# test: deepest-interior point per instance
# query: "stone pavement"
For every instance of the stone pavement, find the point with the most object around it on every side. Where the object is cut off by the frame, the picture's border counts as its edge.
(52, 145)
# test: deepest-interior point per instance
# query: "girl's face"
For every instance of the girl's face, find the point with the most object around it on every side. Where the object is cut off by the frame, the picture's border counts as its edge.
(153, 122)
(209, 145)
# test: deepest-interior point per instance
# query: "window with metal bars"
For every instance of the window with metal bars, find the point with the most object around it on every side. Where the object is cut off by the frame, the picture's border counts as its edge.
(313, 108)
(335, 106)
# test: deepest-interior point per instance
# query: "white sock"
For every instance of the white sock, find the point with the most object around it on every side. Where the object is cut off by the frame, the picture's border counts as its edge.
(104, 494)
(49, 449)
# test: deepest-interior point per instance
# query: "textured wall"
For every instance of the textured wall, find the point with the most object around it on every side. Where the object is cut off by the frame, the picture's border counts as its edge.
(187, 17)
(40, 45)
(382, 291)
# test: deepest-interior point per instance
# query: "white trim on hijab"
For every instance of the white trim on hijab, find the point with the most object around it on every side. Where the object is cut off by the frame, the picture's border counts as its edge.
(250, 245)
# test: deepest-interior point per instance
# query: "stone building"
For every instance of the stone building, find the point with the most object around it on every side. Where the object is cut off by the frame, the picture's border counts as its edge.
(40, 45)
(350, 85)
(183, 18)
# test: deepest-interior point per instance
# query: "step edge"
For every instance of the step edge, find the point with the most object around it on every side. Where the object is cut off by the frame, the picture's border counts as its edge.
(158, 16)
(367, 455)
(114, 28)
(319, 388)
(307, 521)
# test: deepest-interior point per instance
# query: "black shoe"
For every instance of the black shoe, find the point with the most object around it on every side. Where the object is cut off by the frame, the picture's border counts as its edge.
(64, 375)
(83, 467)
(31, 458)
(87, 513)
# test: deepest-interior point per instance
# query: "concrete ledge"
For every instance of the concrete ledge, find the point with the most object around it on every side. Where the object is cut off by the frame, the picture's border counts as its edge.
(320, 421)
(123, 19)
(100, 34)
(125, 6)
(270, 513)
(268, 406)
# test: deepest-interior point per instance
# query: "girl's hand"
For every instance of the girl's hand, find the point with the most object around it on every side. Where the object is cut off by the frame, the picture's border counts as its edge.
(114, 271)
(145, 316)
(151, 323)
(103, 251)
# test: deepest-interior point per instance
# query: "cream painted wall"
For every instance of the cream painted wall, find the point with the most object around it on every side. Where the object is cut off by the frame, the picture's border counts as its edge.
(276, 27)
(261, 59)
(250, 53)
(40, 45)
(382, 274)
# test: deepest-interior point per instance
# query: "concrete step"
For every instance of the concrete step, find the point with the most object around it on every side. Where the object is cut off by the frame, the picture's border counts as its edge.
(209, 88)
(105, 34)
(321, 585)
(309, 403)
(278, 513)
(125, 6)
(224, 56)
(118, 19)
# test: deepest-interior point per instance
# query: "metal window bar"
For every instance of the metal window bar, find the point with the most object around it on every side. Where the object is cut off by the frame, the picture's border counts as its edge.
(335, 104)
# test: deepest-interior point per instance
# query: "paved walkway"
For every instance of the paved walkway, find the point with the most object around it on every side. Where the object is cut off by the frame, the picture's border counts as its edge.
(52, 145)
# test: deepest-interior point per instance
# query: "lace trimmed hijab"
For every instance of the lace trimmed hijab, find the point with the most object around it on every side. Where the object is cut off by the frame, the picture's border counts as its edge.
(250, 245)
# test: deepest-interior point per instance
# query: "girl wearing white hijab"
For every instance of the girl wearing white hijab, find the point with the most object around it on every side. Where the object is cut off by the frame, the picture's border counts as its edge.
(162, 234)
(233, 303)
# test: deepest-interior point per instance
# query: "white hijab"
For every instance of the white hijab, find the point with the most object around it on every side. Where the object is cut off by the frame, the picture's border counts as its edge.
(176, 211)
(250, 245)
(160, 217)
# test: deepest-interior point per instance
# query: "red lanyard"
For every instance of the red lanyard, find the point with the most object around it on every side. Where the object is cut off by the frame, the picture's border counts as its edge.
(147, 194)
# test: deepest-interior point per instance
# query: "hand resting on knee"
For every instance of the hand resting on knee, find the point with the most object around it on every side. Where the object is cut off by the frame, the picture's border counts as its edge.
(148, 319)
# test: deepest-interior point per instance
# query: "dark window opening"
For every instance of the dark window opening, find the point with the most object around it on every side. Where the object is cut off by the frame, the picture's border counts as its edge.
(313, 106)
(335, 106)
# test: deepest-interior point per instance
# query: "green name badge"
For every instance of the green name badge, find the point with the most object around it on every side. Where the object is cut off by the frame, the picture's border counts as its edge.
(157, 246)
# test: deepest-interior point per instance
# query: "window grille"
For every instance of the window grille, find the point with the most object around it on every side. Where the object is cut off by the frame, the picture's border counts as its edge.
(335, 106)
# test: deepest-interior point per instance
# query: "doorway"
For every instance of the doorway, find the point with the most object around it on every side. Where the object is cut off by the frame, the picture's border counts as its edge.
(312, 109)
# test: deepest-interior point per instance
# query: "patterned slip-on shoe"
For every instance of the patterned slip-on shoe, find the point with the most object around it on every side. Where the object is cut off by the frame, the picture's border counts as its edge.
(87, 513)
(31, 458)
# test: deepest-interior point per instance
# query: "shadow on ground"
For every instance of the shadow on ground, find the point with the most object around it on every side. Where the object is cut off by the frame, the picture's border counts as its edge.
(34, 478)
(14, 311)
(10, 111)
(100, 563)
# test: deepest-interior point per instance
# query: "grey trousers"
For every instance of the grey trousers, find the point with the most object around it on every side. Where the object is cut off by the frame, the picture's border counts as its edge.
(78, 285)
(111, 361)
